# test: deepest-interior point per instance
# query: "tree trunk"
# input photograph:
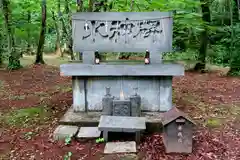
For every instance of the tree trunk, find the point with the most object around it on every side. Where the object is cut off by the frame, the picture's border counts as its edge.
(102, 4)
(79, 5)
(66, 8)
(236, 10)
(1, 57)
(28, 32)
(39, 55)
(1, 48)
(58, 30)
(200, 66)
(14, 58)
(68, 36)
(58, 46)
(90, 5)
(79, 9)
(234, 54)
(1, 54)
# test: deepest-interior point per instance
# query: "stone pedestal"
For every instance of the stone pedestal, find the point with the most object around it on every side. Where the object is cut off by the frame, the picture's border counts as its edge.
(78, 94)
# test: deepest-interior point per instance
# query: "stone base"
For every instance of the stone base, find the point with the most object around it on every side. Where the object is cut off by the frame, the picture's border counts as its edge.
(64, 131)
(91, 119)
(120, 147)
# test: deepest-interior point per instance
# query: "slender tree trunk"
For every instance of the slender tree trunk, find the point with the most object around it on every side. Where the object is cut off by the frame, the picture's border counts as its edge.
(28, 32)
(39, 55)
(58, 46)
(79, 9)
(1, 49)
(14, 58)
(1, 46)
(68, 36)
(66, 8)
(103, 4)
(200, 66)
(90, 5)
(79, 5)
(57, 26)
(234, 54)
(1, 57)
(235, 10)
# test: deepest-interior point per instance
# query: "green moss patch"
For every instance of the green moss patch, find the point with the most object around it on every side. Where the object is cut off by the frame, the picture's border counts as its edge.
(26, 116)
(213, 122)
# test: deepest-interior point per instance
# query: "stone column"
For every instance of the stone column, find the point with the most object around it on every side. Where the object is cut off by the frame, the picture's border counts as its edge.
(88, 57)
(155, 56)
(78, 94)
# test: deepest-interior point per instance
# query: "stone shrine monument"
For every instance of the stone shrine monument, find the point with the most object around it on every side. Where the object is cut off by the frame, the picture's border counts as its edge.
(122, 32)
(123, 97)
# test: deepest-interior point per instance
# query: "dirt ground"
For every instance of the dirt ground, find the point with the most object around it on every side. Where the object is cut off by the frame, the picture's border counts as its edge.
(33, 99)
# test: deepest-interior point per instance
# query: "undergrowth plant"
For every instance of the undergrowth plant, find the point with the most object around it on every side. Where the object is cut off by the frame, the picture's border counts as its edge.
(67, 156)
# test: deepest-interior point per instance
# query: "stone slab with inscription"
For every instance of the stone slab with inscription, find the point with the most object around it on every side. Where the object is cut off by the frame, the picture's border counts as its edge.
(122, 31)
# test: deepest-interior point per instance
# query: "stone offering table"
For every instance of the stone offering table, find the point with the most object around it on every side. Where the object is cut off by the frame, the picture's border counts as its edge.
(122, 124)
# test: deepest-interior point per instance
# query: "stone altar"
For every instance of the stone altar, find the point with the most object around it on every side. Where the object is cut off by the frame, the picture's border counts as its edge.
(122, 32)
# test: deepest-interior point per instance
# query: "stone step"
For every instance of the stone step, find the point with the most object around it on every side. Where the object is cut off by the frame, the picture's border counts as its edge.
(88, 132)
(120, 147)
(64, 131)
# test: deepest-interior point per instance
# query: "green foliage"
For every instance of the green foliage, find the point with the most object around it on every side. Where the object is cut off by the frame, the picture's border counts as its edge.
(68, 156)
(187, 27)
(14, 63)
(100, 140)
(68, 140)
(213, 122)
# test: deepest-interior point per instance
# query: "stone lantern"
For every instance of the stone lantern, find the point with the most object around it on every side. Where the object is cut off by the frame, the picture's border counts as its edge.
(177, 131)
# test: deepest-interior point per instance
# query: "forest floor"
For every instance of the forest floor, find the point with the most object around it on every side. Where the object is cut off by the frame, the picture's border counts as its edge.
(33, 99)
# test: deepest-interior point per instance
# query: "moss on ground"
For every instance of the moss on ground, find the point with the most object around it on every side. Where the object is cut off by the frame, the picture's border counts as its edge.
(213, 122)
(25, 116)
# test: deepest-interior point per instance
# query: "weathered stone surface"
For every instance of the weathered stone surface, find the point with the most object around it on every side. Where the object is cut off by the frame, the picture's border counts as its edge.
(121, 108)
(107, 103)
(88, 132)
(80, 118)
(135, 105)
(155, 92)
(103, 31)
(120, 147)
(121, 123)
(63, 131)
